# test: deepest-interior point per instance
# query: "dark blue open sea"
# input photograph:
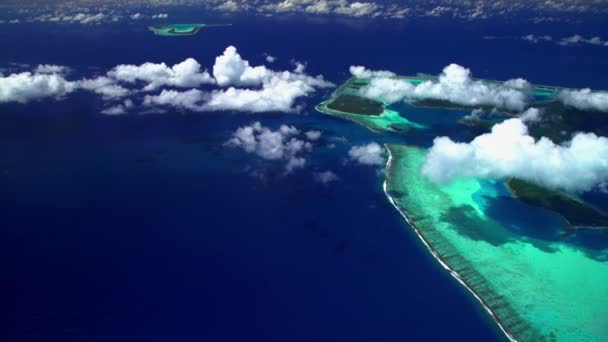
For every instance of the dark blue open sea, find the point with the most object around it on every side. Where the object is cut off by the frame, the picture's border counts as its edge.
(146, 228)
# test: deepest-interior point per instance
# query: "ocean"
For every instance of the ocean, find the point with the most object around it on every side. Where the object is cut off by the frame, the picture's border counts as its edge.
(147, 228)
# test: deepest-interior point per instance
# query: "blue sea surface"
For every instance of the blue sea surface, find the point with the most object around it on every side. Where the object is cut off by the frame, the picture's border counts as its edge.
(147, 228)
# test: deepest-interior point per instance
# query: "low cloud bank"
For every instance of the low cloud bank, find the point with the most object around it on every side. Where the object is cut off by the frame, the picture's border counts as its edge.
(509, 151)
(238, 85)
(454, 84)
(24, 87)
(585, 99)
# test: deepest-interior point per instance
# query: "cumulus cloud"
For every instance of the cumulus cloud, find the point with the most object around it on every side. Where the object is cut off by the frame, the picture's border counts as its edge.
(24, 87)
(118, 109)
(183, 75)
(231, 6)
(231, 69)
(313, 135)
(270, 59)
(160, 16)
(80, 18)
(325, 177)
(250, 89)
(370, 154)
(535, 39)
(509, 151)
(278, 92)
(585, 99)
(531, 115)
(190, 99)
(281, 144)
(103, 86)
(136, 16)
(50, 69)
(454, 85)
(361, 72)
(358, 9)
(578, 39)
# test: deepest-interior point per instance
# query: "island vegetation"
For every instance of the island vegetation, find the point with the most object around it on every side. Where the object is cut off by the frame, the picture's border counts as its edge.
(575, 212)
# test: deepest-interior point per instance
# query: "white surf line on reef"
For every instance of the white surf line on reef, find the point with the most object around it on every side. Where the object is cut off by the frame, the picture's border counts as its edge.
(436, 255)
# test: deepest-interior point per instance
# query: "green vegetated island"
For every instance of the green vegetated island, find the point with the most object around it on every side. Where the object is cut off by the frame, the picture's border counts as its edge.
(535, 289)
(181, 29)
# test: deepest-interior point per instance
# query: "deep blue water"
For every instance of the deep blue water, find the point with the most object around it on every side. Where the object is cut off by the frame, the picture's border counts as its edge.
(145, 228)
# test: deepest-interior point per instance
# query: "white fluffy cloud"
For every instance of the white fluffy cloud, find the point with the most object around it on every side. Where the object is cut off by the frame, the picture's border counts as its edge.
(103, 86)
(80, 18)
(190, 99)
(361, 72)
(531, 114)
(277, 94)
(136, 16)
(231, 69)
(281, 144)
(313, 135)
(509, 151)
(358, 9)
(370, 154)
(118, 109)
(578, 39)
(535, 39)
(270, 59)
(252, 89)
(50, 69)
(25, 87)
(325, 177)
(585, 99)
(186, 74)
(160, 16)
(272, 90)
(455, 85)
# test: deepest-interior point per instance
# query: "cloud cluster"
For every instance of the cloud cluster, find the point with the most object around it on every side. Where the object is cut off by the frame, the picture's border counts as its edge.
(454, 85)
(186, 74)
(355, 9)
(78, 18)
(585, 99)
(50, 69)
(532, 10)
(535, 39)
(281, 144)
(578, 39)
(12, 21)
(119, 109)
(362, 72)
(530, 115)
(242, 87)
(509, 151)
(105, 86)
(265, 90)
(24, 87)
(370, 154)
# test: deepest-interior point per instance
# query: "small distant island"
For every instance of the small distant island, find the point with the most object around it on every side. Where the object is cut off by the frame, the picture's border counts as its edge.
(181, 29)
